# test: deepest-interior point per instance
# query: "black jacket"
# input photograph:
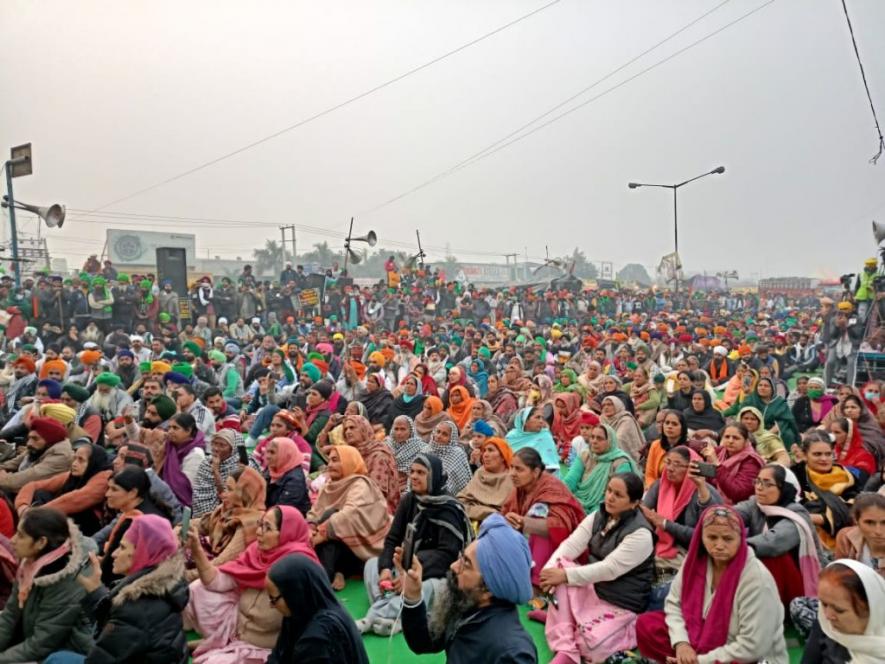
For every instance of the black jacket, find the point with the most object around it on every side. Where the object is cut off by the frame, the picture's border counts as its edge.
(438, 546)
(290, 489)
(140, 618)
(492, 635)
(821, 649)
(632, 589)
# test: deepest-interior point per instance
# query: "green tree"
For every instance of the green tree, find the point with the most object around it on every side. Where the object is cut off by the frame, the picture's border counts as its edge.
(323, 254)
(634, 273)
(269, 259)
(584, 269)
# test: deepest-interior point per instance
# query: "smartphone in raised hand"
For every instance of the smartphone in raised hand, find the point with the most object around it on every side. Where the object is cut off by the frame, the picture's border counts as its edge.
(707, 470)
(185, 525)
(408, 546)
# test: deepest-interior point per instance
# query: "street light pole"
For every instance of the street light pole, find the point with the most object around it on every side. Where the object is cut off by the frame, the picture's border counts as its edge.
(675, 187)
(675, 227)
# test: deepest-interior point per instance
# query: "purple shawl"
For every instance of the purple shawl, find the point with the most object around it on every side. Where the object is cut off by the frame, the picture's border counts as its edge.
(172, 473)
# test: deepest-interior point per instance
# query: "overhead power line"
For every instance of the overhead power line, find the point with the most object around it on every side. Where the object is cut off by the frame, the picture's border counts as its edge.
(331, 109)
(866, 86)
(107, 218)
(507, 141)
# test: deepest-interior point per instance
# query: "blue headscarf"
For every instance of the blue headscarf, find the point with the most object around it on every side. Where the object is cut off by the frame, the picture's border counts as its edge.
(480, 377)
(540, 441)
(481, 426)
(504, 560)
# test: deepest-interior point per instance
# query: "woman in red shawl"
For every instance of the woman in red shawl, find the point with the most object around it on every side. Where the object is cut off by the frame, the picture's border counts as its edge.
(378, 457)
(871, 395)
(870, 431)
(850, 452)
(428, 385)
(229, 605)
(502, 399)
(566, 422)
(722, 606)
(541, 507)
(737, 463)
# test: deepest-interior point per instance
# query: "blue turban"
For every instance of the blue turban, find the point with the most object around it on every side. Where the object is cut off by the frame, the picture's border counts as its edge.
(504, 560)
(53, 387)
(481, 426)
(176, 378)
(232, 347)
(125, 352)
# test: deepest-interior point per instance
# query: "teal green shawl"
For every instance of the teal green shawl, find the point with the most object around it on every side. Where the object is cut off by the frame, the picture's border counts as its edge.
(589, 487)
(777, 411)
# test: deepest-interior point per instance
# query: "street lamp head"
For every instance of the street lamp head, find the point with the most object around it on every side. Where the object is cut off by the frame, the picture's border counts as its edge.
(633, 185)
(718, 171)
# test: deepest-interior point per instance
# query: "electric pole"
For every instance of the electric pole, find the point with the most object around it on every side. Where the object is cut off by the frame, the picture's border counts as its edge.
(511, 270)
(283, 229)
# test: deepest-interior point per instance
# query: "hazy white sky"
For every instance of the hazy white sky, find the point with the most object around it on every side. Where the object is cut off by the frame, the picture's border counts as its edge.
(117, 96)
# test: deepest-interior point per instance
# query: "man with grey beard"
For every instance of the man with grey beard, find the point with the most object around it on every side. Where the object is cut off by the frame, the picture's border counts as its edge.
(108, 399)
(475, 618)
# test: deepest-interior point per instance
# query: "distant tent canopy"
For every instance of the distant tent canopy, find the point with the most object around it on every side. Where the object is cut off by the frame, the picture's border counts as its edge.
(705, 283)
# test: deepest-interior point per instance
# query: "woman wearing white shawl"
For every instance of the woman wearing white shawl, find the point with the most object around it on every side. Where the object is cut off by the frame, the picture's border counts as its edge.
(841, 611)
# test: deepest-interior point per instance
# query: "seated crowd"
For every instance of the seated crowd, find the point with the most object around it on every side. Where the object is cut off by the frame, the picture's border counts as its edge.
(648, 496)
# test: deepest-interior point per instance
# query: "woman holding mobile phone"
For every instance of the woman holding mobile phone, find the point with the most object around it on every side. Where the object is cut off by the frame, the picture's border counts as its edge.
(673, 505)
(736, 462)
(139, 619)
(229, 605)
(440, 530)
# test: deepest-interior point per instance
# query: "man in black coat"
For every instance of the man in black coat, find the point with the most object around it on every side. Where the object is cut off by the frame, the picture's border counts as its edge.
(476, 620)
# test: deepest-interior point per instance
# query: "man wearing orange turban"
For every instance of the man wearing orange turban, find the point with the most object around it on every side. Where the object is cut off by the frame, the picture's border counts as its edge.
(54, 370)
(359, 368)
(26, 364)
(90, 357)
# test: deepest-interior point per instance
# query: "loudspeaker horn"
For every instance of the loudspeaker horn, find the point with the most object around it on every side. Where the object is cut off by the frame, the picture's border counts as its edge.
(53, 216)
(878, 232)
(369, 237)
(355, 258)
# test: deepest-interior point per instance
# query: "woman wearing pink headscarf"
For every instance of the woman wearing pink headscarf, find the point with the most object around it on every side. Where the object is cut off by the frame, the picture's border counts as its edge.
(229, 605)
(288, 484)
(140, 618)
(723, 605)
